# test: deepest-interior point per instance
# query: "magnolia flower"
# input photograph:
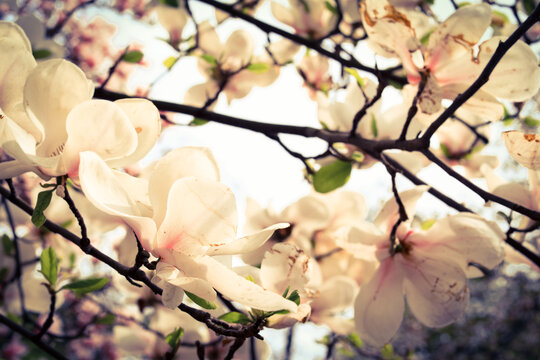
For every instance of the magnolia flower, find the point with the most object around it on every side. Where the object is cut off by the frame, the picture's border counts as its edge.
(69, 122)
(309, 18)
(523, 148)
(229, 67)
(173, 19)
(448, 60)
(314, 71)
(429, 267)
(185, 216)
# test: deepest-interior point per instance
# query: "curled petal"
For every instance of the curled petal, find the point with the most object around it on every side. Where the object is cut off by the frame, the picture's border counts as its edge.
(200, 214)
(523, 148)
(247, 243)
(179, 163)
(436, 290)
(379, 307)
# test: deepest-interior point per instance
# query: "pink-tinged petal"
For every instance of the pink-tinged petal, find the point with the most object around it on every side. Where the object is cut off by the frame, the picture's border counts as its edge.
(523, 148)
(389, 214)
(179, 163)
(238, 50)
(10, 30)
(197, 95)
(200, 213)
(100, 126)
(209, 40)
(362, 238)
(50, 108)
(285, 265)
(309, 211)
(173, 20)
(379, 307)
(282, 13)
(336, 294)
(436, 289)
(145, 119)
(247, 243)
(517, 76)
(227, 282)
(105, 191)
(455, 37)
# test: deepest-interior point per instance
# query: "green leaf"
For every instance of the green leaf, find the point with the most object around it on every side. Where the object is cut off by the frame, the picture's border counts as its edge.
(332, 176)
(424, 40)
(250, 278)
(501, 15)
(445, 150)
(43, 201)
(286, 292)
(357, 76)
(395, 84)
(430, 2)
(258, 68)
(374, 129)
(465, 3)
(14, 317)
(173, 338)
(387, 352)
(294, 297)
(426, 225)
(235, 318)
(173, 3)
(106, 320)
(41, 53)
(355, 340)
(331, 7)
(197, 122)
(205, 304)
(306, 6)
(530, 121)
(529, 6)
(85, 286)
(3, 274)
(133, 56)
(49, 265)
(7, 245)
(72, 258)
(358, 156)
(209, 59)
(169, 62)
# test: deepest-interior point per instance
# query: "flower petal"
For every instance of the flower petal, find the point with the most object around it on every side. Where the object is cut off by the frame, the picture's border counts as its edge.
(379, 307)
(200, 213)
(389, 214)
(10, 30)
(523, 148)
(179, 163)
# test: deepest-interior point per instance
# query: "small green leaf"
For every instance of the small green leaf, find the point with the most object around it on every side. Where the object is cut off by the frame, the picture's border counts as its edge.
(286, 292)
(445, 150)
(43, 201)
(529, 6)
(424, 40)
(41, 53)
(169, 62)
(3, 274)
(387, 352)
(14, 317)
(72, 258)
(49, 265)
(294, 297)
(501, 15)
(205, 304)
(426, 225)
(331, 7)
(465, 3)
(250, 278)
(430, 2)
(357, 76)
(374, 129)
(209, 59)
(173, 338)
(324, 125)
(530, 121)
(85, 286)
(7, 245)
(355, 340)
(332, 176)
(258, 68)
(106, 320)
(395, 84)
(173, 3)
(306, 6)
(358, 156)
(198, 122)
(133, 56)
(235, 318)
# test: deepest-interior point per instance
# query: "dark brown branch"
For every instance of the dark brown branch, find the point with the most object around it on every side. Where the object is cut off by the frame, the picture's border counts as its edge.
(85, 241)
(49, 321)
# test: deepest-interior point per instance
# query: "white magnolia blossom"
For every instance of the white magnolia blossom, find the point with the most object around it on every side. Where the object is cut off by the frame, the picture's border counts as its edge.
(449, 60)
(185, 216)
(309, 18)
(429, 267)
(50, 117)
(173, 19)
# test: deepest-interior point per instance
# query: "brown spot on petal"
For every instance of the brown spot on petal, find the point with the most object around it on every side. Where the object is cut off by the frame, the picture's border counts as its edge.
(529, 137)
(138, 129)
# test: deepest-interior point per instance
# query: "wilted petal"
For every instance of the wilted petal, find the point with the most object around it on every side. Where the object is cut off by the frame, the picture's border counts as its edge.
(436, 289)
(523, 148)
(379, 307)
(51, 91)
(247, 243)
(517, 76)
(99, 126)
(103, 189)
(200, 213)
(227, 282)
(179, 163)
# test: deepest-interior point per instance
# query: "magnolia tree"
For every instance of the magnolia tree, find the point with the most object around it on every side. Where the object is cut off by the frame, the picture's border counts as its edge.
(110, 250)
